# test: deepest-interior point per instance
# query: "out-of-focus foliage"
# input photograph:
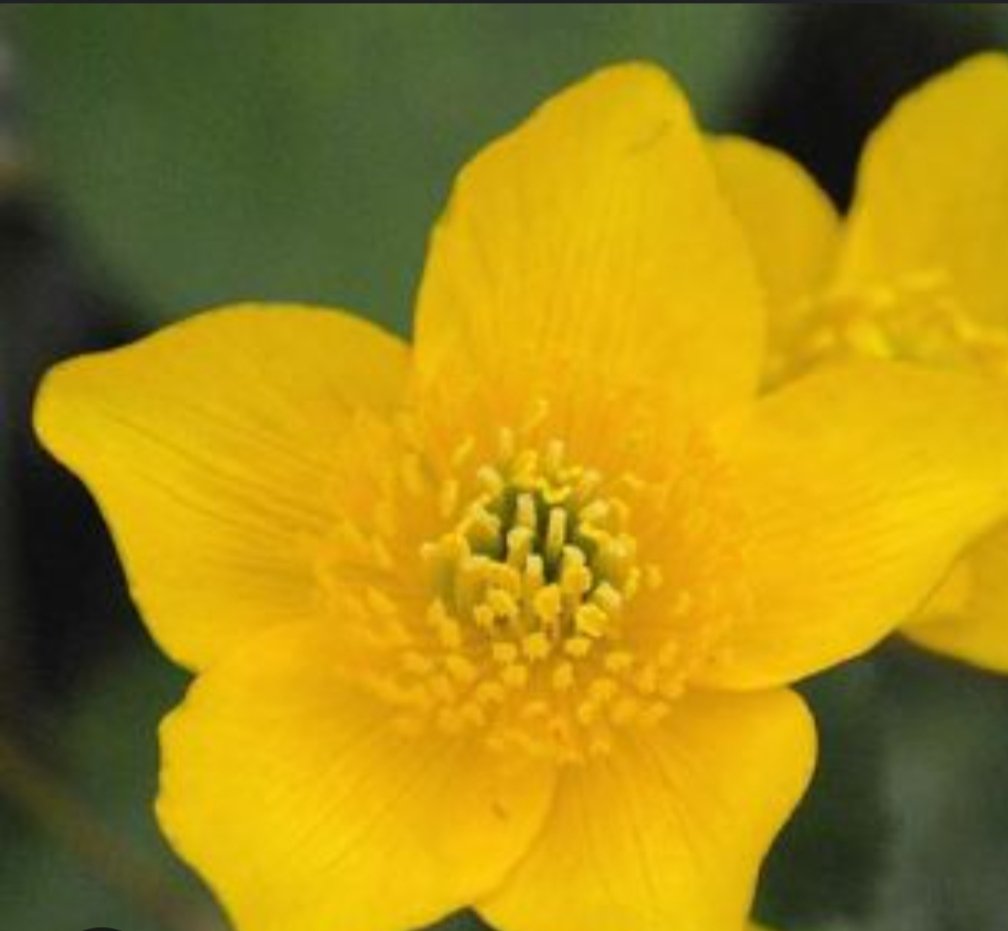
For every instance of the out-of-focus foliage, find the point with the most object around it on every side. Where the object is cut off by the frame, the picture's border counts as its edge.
(945, 727)
(844, 826)
(113, 869)
(206, 153)
(214, 152)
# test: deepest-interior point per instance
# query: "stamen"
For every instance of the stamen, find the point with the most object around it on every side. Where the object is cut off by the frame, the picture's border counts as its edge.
(547, 623)
(525, 512)
(917, 317)
(556, 534)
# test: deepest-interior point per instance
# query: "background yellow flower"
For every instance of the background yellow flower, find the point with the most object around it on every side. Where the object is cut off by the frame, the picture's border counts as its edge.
(915, 274)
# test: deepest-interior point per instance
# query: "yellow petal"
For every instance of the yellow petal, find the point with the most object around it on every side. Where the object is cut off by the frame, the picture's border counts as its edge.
(669, 831)
(591, 246)
(791, 225)
(930, 201)
(967, 617)
(207, 447)
(862, 484)
(303, 807)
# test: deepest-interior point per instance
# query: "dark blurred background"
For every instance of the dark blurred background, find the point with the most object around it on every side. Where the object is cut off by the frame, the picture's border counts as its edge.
(156, 160)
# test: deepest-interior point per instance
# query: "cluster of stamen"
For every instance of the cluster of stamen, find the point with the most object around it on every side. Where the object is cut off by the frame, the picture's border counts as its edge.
(538, 560)
(505, 591)
(531, 585)
(917, 317)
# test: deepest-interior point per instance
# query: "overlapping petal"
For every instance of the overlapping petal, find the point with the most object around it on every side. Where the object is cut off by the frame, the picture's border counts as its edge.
(792, 228)
(669, 831)
(930, 202)
(208, 447)
(862, 484)
(306, 807)
(593, 246)
(967, 617)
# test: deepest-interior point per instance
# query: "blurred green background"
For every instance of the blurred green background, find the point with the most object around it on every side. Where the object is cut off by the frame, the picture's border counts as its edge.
(156, 160)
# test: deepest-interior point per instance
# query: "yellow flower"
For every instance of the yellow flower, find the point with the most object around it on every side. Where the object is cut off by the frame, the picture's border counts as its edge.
(506, 618)
(917, 273)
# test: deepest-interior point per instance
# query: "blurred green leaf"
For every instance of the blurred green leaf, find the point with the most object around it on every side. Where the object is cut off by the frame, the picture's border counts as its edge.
(42, 886)
(212, 153)
(945, 725)
(826, 864)
(904, 827)
(465, 920)
(106, 761)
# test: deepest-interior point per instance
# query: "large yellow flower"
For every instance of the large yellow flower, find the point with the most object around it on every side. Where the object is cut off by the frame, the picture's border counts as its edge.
(919, 273)
(505, 618)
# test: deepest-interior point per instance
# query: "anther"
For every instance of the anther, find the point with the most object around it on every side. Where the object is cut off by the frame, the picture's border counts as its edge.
(591, 621)
(553, 459)
(490, 480)
(556, 534)
(577, 647)
(547, 604)
(536, 645)
(525, 512)
(519, 546)
(607, 598)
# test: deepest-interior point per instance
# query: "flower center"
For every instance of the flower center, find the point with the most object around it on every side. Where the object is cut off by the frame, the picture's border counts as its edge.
(917, 318)
(540, 558)
(508, 591)
(530, 590)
